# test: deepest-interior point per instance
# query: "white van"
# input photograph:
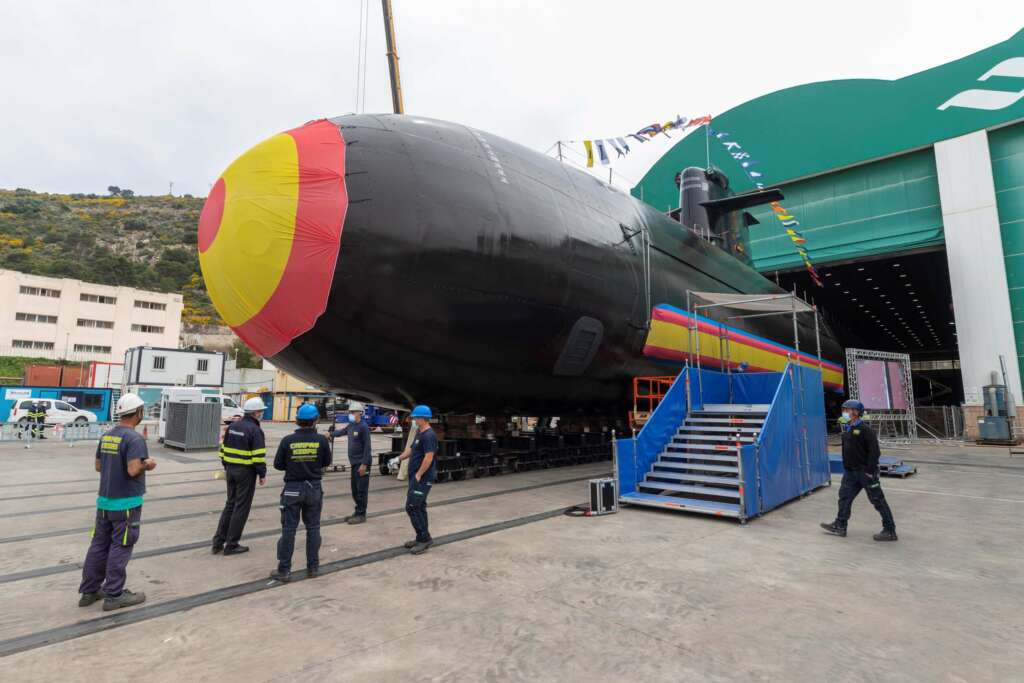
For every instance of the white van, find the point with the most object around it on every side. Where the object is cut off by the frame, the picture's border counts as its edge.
(57, 412)
(229, 410)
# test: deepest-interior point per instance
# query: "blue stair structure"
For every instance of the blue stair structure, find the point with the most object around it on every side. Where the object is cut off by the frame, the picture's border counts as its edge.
(732, 458)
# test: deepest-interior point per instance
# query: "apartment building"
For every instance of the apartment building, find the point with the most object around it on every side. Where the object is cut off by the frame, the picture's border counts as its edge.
(61, 318)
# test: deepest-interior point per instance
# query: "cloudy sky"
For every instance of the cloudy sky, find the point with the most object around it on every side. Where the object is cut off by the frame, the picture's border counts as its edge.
(139, 94)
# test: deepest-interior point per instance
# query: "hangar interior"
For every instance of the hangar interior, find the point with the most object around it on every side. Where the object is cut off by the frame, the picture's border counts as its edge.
(908, 196)
(901, 304)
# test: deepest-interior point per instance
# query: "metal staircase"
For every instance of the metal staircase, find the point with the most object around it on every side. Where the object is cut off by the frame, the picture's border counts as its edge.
(699, 469)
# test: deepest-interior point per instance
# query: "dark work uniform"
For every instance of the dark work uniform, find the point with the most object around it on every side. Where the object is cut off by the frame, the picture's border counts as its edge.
(358, 454)
(860, 471)
(118, 512)
(416, 500)
(244, 455)
(37, 416)
(302, 456)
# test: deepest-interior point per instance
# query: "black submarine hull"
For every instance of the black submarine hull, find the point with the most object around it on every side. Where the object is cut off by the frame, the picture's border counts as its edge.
(476, 275)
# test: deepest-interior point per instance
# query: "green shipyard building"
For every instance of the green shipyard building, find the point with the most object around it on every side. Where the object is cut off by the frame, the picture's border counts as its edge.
(910, 195)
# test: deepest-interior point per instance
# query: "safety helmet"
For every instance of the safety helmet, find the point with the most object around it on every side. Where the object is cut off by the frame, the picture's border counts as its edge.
(421, 411)
(307, 411)
(254, 404)
(355, 407)
(854, 404)
(127, 404)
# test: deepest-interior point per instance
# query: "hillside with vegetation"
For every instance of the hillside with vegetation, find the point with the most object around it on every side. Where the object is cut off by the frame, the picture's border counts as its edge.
(119, 239)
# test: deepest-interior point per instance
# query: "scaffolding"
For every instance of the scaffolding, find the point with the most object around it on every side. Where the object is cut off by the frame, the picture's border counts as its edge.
(752, 306)
(888, 396)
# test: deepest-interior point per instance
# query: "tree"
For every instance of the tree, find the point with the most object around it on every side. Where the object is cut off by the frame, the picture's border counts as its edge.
(114, 190)
(127, 194)
(243, 355)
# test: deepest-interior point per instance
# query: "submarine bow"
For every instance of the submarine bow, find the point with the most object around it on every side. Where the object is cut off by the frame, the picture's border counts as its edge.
(269, 234)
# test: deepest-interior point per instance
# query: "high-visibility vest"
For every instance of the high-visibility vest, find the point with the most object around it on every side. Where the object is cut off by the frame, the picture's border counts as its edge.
(244, 443)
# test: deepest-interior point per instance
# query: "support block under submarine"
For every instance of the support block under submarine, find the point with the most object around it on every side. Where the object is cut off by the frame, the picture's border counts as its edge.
(400, 260)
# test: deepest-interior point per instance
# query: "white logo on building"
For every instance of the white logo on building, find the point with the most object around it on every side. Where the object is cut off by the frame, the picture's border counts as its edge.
(990, 99)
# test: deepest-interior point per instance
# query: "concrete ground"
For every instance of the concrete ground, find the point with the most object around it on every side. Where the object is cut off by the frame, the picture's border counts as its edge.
(641, 595)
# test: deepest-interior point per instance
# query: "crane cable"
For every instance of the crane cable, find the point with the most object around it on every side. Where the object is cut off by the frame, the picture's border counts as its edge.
(361, 49)
(366, 42)
(359, 52)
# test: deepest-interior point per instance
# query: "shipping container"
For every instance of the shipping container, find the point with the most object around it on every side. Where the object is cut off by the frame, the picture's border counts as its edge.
(54, 376)
(108, 375)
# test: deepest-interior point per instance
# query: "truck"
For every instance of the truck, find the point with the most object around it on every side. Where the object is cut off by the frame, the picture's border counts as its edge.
(376, 418)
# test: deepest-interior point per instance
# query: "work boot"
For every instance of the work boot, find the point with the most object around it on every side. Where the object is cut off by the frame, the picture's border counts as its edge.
(421, 548)
(125, 599)
(283, 577)
(89, 598)
(312, 572)
(356, 519)
(834, 528)
(886, 535)
(410, 544)
(235, 549)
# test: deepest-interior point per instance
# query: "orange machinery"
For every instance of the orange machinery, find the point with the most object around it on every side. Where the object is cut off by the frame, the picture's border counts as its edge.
(647, 394)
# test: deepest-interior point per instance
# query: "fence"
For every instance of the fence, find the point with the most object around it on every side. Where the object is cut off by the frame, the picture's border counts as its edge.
(27, 435)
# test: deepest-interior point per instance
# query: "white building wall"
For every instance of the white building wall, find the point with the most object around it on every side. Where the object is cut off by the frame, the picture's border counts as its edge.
(64, 336)
(977, 274)
(238, 381)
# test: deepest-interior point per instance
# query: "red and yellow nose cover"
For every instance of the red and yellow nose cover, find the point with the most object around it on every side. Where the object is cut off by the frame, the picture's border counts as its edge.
(269, 235)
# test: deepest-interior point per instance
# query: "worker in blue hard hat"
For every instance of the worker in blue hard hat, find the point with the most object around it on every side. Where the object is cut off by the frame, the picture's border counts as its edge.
(860, 471)
(360, 459)
(302, 456)
(422, 472)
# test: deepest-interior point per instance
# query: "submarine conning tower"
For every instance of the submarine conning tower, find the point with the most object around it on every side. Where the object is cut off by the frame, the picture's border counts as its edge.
(709, 209)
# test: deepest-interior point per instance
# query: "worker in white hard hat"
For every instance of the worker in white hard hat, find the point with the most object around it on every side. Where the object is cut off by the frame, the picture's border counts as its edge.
(122, 460)
(243, 452)
(360, 459)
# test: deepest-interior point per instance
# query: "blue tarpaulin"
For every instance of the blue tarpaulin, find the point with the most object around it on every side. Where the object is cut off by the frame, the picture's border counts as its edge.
(790, 455)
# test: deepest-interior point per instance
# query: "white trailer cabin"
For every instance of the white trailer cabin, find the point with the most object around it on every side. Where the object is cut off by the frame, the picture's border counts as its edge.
(149, 369)
(152, 366)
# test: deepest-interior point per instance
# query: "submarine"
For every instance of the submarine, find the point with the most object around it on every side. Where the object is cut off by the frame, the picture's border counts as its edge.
(399, 260)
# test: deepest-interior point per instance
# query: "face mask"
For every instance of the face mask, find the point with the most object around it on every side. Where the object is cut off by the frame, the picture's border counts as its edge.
(845, 417)
(354, 417)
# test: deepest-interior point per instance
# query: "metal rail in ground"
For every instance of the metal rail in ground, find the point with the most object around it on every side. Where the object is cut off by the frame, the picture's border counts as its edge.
(195, 545)
(61, 634)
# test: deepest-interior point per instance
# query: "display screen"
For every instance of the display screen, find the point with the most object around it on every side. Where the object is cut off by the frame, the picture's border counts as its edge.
(880, 385)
